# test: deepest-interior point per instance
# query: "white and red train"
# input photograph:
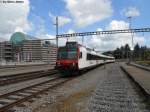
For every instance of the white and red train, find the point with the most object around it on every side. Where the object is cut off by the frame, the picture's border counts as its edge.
(75, 57)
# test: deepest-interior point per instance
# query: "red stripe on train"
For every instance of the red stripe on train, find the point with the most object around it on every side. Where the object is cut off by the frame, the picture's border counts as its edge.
(66, 62)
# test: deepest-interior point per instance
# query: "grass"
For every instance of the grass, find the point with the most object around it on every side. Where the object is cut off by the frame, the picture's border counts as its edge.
(146, 63)
(75, 102)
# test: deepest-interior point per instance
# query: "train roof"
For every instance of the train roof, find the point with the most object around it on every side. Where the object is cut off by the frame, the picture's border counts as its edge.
(97, 54)
(105, 56)
(89, 50)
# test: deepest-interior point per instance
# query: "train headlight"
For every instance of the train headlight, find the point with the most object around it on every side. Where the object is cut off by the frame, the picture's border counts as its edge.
(73, 64)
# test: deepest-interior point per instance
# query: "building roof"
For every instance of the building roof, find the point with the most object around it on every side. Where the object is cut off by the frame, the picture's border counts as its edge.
(18, 37)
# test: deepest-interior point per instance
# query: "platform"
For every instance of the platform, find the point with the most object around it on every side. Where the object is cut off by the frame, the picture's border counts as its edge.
(140, 76)
(21, 70)
(141, 66)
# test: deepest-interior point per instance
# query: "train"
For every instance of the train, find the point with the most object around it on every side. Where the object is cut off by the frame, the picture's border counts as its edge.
(74, 57)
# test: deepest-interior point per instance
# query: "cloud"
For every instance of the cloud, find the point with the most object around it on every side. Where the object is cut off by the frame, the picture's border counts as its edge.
(99, 29)
(71, 31)
(62, 20)
(13, 17)
(131, 12)
(62, 41)
(40, 30)
(112, 41)
(46, 36)
(87, 12)
(41, 33)
(117, 25)
(71, 38)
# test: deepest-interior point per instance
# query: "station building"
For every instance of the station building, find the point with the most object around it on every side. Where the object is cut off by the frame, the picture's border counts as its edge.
(6, 51)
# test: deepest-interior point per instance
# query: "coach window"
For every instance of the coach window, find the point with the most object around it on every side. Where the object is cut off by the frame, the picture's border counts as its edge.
(88, 56)
(80, 55)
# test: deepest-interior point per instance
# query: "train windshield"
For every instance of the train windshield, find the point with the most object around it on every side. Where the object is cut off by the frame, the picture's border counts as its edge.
(64, 53)
(67, 55)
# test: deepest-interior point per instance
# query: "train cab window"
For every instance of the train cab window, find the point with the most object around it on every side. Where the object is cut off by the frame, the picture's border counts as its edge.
(80, 55)
(71, 44)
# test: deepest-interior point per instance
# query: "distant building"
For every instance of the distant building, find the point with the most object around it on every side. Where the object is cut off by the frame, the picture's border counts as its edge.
(49, 53)
(25, 48)
(31, 50)
(38, 50)
(6, 51)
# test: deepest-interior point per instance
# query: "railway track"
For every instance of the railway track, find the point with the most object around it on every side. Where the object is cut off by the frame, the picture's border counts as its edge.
(6, 80)
(9, 100)
(20, 66)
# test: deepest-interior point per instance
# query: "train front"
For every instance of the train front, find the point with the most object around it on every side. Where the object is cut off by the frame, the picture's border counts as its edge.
(67, 58)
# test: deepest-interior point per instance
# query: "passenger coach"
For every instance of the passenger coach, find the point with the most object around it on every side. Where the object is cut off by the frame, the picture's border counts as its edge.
(75, 57)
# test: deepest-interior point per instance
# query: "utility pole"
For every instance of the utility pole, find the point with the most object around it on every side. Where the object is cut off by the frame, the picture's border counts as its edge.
(132, 44)
(130, 24)
(82, 40)
(56, 31)
(1, 51)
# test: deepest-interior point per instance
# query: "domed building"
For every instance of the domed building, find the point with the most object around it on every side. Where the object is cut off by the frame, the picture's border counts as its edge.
(17, 38)
(25, 48)
(30, 49)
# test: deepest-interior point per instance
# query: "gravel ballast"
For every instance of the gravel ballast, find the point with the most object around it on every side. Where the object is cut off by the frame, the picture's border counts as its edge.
(117, 93)
(17, 86)
(73, 96)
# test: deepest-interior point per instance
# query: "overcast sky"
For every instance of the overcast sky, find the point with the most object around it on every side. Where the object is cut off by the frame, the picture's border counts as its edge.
(37, 18)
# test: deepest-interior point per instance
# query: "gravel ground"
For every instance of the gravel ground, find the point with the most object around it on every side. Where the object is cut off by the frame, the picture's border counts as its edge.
(73, 96)
(117, 94)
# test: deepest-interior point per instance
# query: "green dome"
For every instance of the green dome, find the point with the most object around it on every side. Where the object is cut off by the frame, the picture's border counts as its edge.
(18, 38)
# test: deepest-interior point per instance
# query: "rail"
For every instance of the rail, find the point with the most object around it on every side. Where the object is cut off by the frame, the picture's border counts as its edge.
(24, 94)
(6, 80)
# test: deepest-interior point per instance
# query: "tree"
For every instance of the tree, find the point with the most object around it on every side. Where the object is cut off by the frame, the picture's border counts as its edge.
(117, 53)
(122, 49)
(136, 52)
(127, 50)
(143, 52)
(139, 53)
